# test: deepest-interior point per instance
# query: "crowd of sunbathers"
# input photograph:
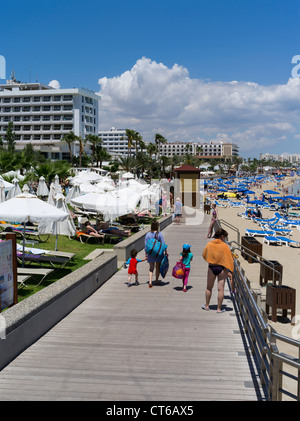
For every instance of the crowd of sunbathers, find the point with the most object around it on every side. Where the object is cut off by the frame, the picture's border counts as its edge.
(256, 213)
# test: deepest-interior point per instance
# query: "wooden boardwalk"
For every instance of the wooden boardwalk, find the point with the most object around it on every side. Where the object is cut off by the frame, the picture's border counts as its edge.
(141, 344)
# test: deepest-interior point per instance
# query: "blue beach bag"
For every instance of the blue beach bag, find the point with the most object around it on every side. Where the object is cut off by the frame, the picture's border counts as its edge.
(164, 266)
(155, 248)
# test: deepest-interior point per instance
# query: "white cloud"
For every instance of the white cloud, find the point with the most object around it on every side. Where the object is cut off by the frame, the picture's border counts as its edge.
(153, 98)
(54, 84)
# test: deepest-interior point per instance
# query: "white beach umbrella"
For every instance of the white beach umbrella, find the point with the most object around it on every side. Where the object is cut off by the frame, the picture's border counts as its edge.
(51, 194)
(128, 175)
(105, 185)
(15, 190)
(111, 204)
(27, 207)
(65, 227)
(145, 201)
(42, 189)
(16, 174)
(88, 201)
(120, 202)
(8, 186)
(57, 185)
(88, 188)
(73, 193)
(2, 191)
(134, 185)
(148, 196)
(85, 177)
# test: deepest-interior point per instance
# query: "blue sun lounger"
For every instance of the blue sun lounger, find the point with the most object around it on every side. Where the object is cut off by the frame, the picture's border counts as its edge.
(288, 241)
(282, 231)
(253, 233)
(272, 240)
(221, 205)
(291, 223)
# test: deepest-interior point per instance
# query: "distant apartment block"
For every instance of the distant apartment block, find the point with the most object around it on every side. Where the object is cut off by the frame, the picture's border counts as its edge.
(211, 149)
(116, 142)
(284, 157)
(42, 115)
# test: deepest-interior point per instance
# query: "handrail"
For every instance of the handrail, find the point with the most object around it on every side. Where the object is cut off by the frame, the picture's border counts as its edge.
(242, 249)
(253, 303)
(232, 227)
(263, 338)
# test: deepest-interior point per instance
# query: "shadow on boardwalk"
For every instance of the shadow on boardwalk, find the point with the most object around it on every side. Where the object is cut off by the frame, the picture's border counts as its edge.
(138, 343)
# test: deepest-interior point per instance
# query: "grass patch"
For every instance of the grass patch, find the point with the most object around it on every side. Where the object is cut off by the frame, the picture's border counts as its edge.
(81, 250)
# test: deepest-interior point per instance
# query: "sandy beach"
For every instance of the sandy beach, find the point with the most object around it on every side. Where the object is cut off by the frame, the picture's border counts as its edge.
(288, 257)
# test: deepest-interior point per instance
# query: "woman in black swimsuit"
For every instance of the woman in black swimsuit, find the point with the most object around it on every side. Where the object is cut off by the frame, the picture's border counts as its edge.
(218, 271)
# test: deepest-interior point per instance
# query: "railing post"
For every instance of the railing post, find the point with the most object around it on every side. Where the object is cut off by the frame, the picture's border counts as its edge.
(298, 388)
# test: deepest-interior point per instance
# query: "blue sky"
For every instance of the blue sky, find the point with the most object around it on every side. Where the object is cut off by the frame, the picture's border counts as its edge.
(213, 43)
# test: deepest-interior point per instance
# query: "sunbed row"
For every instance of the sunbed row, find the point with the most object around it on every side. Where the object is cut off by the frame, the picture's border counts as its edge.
(274, 236)
(243, 204)
(270, 239)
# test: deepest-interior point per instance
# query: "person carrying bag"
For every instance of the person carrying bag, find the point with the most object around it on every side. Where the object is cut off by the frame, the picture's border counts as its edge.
(155, 249)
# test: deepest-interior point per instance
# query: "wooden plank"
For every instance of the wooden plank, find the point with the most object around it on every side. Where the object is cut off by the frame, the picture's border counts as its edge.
(139, 343)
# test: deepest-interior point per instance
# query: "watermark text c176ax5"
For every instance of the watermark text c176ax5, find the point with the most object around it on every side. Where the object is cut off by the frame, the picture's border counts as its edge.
(296, 69)
(2, 67)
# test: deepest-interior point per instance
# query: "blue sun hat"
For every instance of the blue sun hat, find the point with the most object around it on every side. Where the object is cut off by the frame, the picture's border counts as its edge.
(186, 246)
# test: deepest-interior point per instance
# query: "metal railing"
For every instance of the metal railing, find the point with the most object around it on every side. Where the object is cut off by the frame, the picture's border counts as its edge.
(263, 339)
(270, 265)
(227, 224)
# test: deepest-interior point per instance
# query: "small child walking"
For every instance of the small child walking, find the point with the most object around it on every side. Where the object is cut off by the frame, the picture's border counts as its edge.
(132, 268)
(186, 257)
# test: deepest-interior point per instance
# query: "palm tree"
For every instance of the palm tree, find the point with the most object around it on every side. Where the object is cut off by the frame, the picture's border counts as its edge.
(141, 162)
(142, 145)
(190, 159)
(7, 160)
(131, 138)
(49, 170)
(165, 160)
(138, 141)
(10, 137)
(94, 140)
(81, 148)
(174, 161)
(27, 158)
(151, 166)
(128, 163)
(151, 149)
(101, 155)
(159, 139)
(199, 150)
(70, 138)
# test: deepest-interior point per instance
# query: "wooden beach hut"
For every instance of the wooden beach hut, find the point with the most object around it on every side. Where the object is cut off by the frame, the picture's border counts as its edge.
(187, 186)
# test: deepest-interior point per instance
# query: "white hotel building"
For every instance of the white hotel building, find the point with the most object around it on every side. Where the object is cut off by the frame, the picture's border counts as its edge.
(42, 115)
(115, 141)
(211, 149)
